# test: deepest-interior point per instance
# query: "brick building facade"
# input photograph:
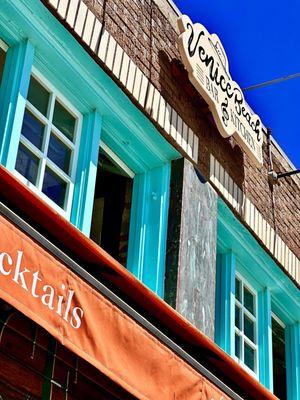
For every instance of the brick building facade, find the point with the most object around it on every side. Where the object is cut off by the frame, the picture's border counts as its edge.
(147, 31)
(119, 191)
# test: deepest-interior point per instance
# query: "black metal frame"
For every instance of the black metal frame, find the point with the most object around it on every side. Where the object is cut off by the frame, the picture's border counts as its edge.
(290, 173)
(26, 228)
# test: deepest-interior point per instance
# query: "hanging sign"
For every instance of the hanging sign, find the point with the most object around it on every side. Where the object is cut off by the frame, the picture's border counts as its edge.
(206, 62)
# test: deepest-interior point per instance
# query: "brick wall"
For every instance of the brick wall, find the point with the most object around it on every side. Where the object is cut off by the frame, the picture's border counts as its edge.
(150, 39)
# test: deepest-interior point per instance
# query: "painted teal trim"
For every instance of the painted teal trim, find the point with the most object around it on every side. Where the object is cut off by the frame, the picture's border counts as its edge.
(225, 302)
(265, 339)
(256, 265)
(276, 292)
(148, 227)
(13, 94)
(292, 339)
(82, 206)
(125, 129)
(85, 84)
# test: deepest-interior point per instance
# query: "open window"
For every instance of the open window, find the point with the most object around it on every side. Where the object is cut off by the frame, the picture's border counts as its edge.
(3, 49)
(279, 361)
(112, 205)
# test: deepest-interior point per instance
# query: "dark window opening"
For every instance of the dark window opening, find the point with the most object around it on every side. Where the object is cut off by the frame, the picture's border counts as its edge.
(2, 62)
(279, 362)
(112, 205)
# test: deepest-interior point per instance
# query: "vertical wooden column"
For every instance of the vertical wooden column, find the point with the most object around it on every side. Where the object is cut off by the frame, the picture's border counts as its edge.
(191, 252)
(82, 206)
(226, 268)
(148, 227)
(265, 338)
(13, 95)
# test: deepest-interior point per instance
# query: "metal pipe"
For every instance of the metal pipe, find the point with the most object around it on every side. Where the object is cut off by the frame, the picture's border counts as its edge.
(290, 173)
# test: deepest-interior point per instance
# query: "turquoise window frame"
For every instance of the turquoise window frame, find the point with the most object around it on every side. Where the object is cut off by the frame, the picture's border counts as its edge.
(238, 251)
(108, 115)
(257, 361)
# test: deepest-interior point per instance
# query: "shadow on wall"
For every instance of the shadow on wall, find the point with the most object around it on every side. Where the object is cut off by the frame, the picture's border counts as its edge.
(178, 91)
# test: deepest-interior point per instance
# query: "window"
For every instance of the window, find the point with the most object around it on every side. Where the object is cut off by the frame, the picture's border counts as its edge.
(47, 153)
(249, 286)
(112, 205)
(245, 335)
(279, 361)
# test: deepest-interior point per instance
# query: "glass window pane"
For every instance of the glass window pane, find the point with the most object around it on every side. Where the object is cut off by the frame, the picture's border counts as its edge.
(249, 328)
(249, 356)
(33, 129)
(27, 163)
(64, 121)
(248, 300)
(238, 292)
(238, 343)
(2, 61)
(38, 96)
(238, 319)
(59, 153)
(54, 187)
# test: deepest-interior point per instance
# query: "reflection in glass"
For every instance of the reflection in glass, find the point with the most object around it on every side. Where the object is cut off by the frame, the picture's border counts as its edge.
(238, 291)
(38, 96)
(27, 164)
(64, 121)
(54, 187)
(238, 320)
(237, 346)
(59, 153)
(248, 300)
(33, 129)
(249, 328)
(249, 356)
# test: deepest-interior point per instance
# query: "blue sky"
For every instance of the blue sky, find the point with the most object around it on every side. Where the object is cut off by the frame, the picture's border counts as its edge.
(262, 42)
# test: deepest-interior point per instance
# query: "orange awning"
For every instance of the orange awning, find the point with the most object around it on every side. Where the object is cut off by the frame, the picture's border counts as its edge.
(20, 198)
(37, 284)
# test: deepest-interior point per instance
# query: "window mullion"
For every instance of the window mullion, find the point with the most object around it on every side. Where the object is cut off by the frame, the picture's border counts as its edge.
(243, 347)
(40, 179)
(36, 112)
(31, 147)
(44, 158)
(51, 106)
(49, 125)
(62, 137)
(58, 171)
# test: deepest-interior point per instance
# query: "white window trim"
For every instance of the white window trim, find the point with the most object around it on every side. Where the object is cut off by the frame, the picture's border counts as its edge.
(241, 333)
(3, 45)
(69, 179)
(117, 160)
(278, 320)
